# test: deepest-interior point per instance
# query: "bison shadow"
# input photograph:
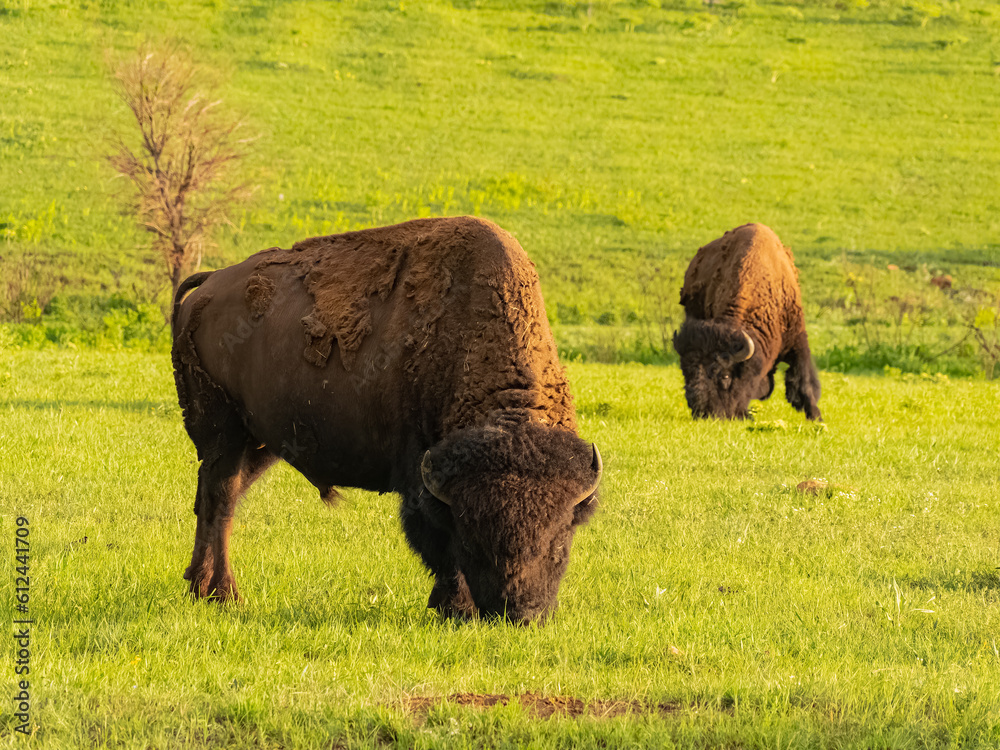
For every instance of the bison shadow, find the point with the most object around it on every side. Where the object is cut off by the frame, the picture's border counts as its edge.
(984, 578)
(139, 406)
(355, 615)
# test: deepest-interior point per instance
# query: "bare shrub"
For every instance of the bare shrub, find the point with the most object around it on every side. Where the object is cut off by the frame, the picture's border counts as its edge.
(984, 324)
(186, 150)
(26, 288)
(913, 319)
(891, 310)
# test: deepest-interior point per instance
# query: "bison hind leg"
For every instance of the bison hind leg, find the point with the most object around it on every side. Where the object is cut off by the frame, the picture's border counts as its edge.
(802, 387)
(199, 571)
(230, 465)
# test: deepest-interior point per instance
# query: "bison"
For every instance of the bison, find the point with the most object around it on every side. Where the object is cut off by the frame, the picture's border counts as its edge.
(414, 359)
(743, 315)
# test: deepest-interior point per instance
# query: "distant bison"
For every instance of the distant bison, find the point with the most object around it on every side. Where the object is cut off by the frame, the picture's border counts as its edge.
(414, 359)
(744, 316)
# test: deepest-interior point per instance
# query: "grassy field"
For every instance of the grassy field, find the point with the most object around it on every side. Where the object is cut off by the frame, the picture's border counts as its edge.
(709, 603)
(613, 138)
(735, 610)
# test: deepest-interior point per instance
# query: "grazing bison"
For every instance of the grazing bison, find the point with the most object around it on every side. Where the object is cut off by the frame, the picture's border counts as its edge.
(743, 316)
(414, 359)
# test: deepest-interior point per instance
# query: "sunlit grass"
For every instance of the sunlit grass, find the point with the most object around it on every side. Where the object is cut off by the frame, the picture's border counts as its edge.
(608, 136)
(864, 615)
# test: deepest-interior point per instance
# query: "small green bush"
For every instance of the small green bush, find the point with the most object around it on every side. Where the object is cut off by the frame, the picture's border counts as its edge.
(111, 323)
(568, 314)
(141, 327)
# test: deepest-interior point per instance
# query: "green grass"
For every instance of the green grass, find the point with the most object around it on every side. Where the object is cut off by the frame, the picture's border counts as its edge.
(610, 137)
(613, 138)
(864, 617)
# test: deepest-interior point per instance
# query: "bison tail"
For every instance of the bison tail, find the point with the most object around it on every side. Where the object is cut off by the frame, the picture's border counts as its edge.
(191, 282)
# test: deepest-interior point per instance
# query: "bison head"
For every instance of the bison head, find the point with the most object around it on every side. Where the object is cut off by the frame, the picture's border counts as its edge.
(721, 375)
(516, 490)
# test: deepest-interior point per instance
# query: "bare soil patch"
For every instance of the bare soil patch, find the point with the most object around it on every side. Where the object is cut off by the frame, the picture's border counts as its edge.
(542, 706)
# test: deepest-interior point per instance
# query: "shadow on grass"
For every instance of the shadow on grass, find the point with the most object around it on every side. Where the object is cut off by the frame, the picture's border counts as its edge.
(351, 615)
(987, 257)
(986, 578)
(140, 406)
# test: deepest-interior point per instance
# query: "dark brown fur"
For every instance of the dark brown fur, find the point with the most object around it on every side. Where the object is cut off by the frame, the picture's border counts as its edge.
(350, 356)
(746, 281)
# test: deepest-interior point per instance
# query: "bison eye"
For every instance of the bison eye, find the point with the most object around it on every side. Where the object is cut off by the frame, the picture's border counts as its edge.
(726, 380)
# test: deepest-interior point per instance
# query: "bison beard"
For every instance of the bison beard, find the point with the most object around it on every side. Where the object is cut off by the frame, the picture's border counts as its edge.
(743, 316)
(414, 359)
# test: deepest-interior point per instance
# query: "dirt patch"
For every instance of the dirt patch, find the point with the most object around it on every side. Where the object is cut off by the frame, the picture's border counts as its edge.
(813, 486)
(542, 706)
(823, 488)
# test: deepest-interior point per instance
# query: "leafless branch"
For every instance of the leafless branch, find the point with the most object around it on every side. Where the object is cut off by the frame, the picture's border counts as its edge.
(186, 148)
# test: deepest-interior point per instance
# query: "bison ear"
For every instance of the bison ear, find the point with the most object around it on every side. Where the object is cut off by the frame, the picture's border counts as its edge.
(681, 340)
(431, 481)
(695, 336)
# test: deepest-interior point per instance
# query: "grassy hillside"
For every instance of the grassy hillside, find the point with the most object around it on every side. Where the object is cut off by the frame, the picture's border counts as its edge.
(613, 138)
(733, 610)
(709, 603)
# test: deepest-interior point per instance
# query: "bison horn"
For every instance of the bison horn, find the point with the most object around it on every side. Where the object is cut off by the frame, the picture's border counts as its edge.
(432, 486)
(744, 352)
(597, 466)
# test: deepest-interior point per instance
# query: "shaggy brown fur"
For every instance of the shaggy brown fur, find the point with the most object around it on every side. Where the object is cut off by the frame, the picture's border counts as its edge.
(449, 273)
(744, 282)
(350, 356)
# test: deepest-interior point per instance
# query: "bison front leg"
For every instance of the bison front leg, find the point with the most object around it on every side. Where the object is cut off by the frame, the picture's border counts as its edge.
(802, 387)
(427, 532)
(450, 596)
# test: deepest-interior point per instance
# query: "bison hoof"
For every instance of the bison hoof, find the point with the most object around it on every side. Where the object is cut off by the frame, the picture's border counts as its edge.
(198, 588)
(221, 591)
(198, 582)
(457, 610)
(452, 599)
